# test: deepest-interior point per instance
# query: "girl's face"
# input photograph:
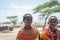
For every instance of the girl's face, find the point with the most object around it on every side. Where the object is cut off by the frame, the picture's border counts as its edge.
(28, 20)
(52, 23)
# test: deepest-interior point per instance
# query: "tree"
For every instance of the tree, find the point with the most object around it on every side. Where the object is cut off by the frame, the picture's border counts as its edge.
(6, 23)
(21, 22)
(47, 9)
(13, 19)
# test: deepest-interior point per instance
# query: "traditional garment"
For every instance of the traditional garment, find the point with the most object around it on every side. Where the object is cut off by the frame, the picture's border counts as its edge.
(47, 35)
(31, 34)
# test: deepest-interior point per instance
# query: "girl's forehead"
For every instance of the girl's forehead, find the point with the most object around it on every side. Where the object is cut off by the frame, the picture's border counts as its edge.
(53, 19)
(29, 17)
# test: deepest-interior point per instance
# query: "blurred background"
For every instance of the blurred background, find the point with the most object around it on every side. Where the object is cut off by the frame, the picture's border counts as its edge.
(12, 11)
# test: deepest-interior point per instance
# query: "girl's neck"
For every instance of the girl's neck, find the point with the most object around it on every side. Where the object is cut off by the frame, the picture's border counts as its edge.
(27, 27)
(53, 30)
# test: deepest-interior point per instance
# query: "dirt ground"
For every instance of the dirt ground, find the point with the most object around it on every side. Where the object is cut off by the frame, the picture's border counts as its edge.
(11, 35)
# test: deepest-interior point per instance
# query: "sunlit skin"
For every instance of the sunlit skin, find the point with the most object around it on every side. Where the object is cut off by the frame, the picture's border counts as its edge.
(28, 32)
(51, 33)
(28, 22)
(52, 24)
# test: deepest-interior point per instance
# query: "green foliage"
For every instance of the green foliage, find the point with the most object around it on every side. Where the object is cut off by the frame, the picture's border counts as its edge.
(47, 9)
(13, 19)
(6, 23)
(46, 5)
(56, 9)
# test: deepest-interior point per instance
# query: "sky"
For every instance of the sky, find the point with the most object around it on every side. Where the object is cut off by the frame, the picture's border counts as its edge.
(19, 8)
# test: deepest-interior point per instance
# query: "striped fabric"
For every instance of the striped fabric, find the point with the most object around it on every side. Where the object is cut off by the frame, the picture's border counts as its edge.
(45, 35)
(30, 35)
